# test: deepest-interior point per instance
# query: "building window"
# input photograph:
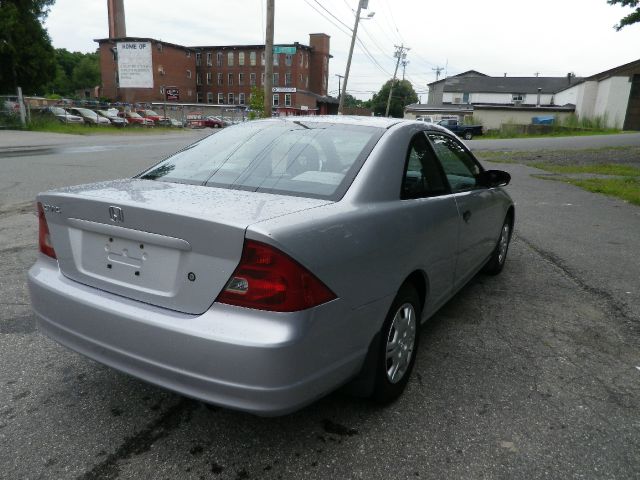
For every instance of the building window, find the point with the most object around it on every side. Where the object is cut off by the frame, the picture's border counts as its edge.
(199, 97)
(189, 93)
(220, 79)
(209, 97)
(209, 59)
(517, 97)
(287, 99)
(241, 98)
(198, 79)
(230, 99)
(160, 47)
(252, 59)
(209, 75)
(188, 73)
(301, 80)
(230, 59)
(198, 59)
(276, 59)
(276, 99)
(230, 79)
(306, 60)
(276, 79)
(219, 59)
(262, 79)
(241, 79)
(188, 53)
(287, 79)
(301, 58)
(220, 98)
(306, 82)
(252, 79)
(262, 61)
(241, 59)
(288, 59)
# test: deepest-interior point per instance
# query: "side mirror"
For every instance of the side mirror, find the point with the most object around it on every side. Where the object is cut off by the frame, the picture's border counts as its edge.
(494, 178)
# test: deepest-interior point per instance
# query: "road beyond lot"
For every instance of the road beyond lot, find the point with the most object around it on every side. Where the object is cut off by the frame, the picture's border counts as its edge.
(532, 374)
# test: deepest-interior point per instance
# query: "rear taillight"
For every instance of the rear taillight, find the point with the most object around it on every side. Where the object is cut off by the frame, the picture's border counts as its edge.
(268, 279)
(44, 238)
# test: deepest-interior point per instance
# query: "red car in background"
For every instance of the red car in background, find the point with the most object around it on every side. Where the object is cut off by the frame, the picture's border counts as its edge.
(134, 119)
(213, 122)
(155, 117)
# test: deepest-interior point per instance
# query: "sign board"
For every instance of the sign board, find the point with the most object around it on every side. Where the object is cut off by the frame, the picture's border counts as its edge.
(172, 93)
(135, 68)
(284, 89)
(286, 50)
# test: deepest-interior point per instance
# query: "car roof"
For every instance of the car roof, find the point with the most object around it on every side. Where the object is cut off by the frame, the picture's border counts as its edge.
(379, 122)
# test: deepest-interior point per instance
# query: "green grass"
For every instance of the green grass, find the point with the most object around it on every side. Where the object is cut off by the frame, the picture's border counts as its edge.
(624, 181)
(627, 188)
(599, 169)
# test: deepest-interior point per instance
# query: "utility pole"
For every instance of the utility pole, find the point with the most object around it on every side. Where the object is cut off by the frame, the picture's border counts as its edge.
(361, 4)
(401, 53)
(268, 59)
(405, 62)
(438, 70)
(340, 77)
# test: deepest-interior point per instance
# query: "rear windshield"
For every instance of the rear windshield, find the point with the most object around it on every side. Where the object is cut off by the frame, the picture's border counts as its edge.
(317, 160)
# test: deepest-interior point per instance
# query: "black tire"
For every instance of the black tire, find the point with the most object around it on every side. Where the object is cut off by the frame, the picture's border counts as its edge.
(499, 256)
(389, 386)
(468, 135)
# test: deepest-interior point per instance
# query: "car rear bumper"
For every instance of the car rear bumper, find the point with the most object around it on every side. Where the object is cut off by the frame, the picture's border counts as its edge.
(263, 363)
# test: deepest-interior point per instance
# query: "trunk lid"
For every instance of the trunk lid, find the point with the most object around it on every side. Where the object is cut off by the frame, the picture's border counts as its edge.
(166, 244)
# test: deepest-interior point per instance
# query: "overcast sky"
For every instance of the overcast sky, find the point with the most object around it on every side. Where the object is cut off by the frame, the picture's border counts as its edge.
(517, 37)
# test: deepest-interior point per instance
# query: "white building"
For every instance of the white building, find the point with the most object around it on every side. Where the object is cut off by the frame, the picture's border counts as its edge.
(613, 96)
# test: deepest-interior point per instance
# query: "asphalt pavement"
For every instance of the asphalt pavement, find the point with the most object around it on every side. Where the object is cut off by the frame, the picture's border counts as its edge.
(531, 374)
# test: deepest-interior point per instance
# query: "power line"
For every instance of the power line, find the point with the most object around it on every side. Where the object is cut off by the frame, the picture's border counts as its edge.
(337, 19)
(341, 29)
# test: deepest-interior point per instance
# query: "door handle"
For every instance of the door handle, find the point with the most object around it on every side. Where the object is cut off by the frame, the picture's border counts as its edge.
(466, 215)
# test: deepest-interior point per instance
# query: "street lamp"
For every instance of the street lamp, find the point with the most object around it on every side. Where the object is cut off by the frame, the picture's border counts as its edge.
(361, 4)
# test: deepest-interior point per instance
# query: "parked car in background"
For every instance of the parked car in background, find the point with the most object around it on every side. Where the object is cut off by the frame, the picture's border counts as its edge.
(268, 264)
(134, 119)
(155, 117)
(60, 114)
(465, 131)
(214, 122)
(176, 123)
(112, 116)
(425, 118)
(89, 116)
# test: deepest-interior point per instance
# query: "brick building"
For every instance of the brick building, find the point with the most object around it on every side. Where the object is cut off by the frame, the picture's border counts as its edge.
(221, 75)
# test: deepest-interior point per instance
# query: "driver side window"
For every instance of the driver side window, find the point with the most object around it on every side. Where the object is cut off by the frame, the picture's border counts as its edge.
(459, 167)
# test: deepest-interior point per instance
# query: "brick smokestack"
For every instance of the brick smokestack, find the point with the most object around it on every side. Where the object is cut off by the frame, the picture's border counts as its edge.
(117, 25)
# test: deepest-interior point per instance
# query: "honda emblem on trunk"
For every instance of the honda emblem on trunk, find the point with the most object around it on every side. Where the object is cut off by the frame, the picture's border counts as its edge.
(116, 214)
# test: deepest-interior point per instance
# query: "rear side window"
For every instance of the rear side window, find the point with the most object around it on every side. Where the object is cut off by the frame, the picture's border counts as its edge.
(317, 160)
(422, 175)
(459, 167)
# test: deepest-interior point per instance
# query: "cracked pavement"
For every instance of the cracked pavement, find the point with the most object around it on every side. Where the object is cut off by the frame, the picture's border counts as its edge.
(531, 374)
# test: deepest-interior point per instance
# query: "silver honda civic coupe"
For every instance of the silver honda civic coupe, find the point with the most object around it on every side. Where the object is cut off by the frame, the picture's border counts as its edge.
(274, 261)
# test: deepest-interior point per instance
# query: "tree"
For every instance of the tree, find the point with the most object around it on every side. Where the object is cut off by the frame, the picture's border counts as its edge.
(403, 95)
(26, 54)
(74, 71)
(256, 104)
(630, 19)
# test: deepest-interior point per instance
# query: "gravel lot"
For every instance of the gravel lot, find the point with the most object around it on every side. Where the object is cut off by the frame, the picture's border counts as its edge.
(621, 155)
